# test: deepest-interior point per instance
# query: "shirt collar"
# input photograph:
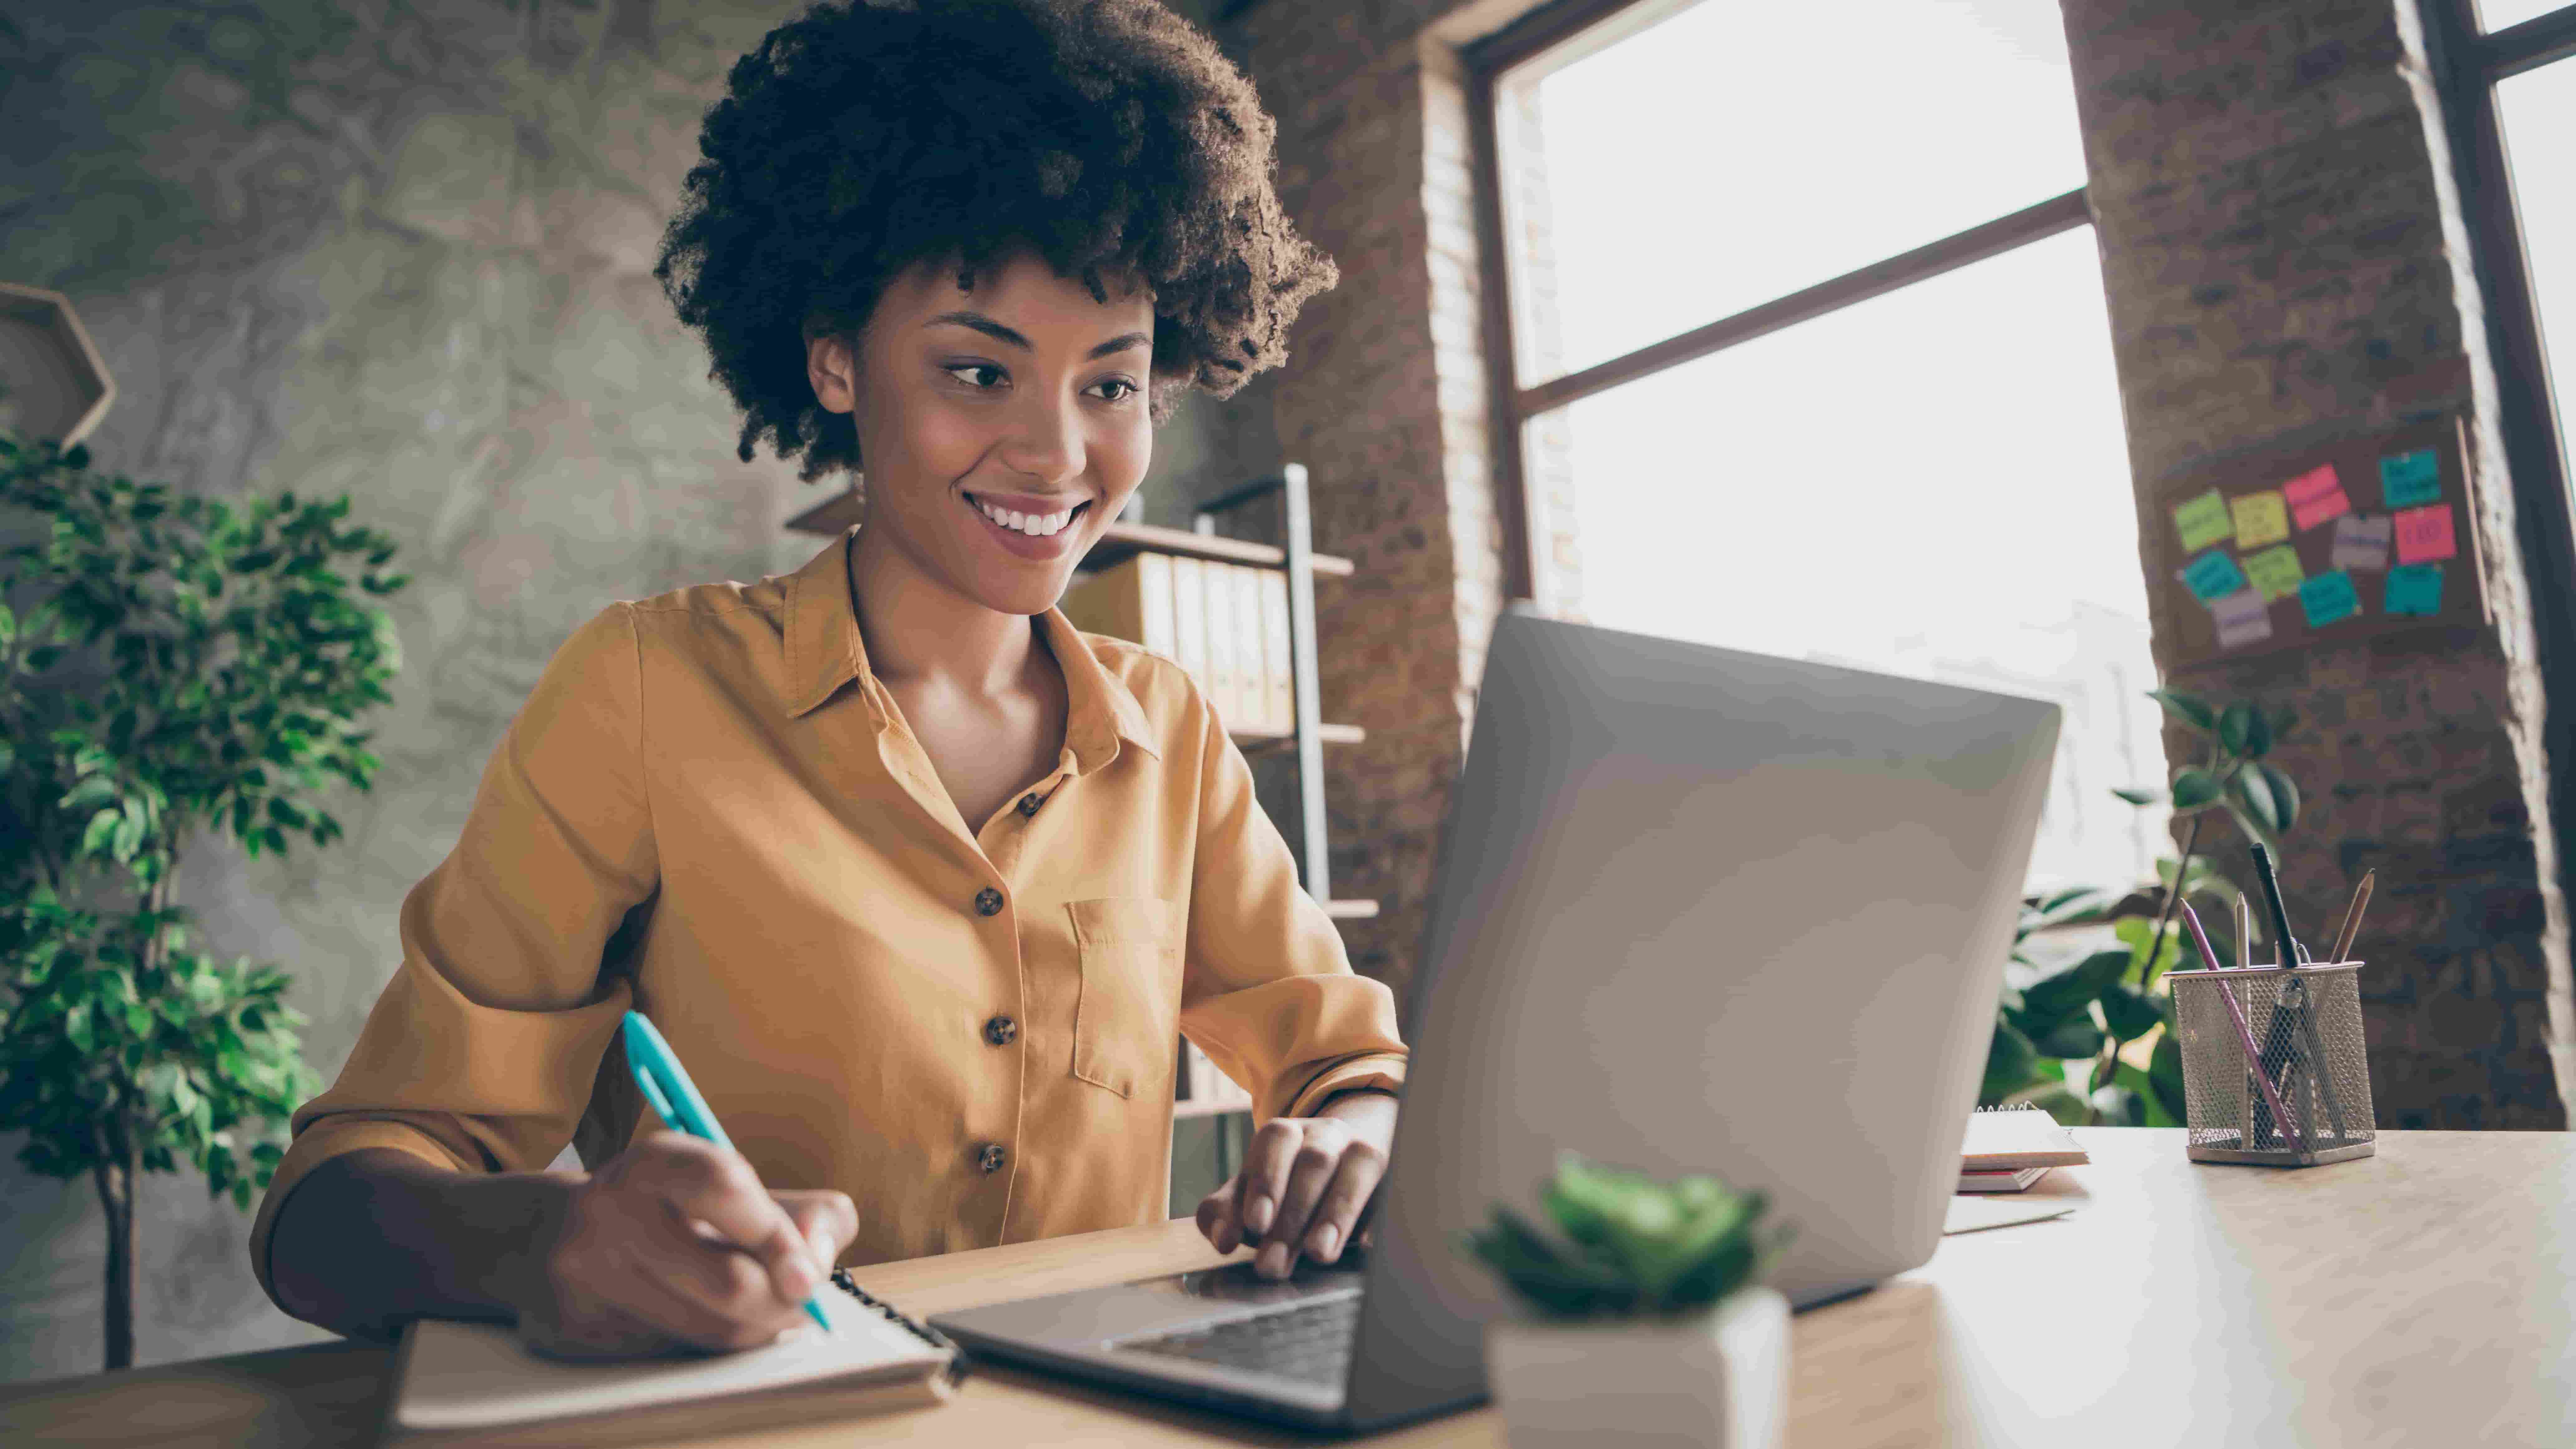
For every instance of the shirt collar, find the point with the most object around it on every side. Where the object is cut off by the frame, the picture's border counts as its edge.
(824, 653)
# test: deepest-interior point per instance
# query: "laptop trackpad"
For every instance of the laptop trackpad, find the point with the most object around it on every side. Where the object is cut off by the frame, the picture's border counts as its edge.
(1089, 1317)
(1236, 1283)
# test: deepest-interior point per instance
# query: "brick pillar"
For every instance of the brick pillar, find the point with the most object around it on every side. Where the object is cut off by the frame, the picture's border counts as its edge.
(2286, 265)
(1383, 398)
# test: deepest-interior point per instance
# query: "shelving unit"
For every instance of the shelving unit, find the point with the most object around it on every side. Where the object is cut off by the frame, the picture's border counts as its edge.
(1294, 555)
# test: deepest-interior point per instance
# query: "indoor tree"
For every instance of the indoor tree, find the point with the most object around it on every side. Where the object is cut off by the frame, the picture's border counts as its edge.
(170, 665)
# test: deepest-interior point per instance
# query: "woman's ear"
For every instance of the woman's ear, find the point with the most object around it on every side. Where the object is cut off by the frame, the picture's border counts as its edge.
(832, 366)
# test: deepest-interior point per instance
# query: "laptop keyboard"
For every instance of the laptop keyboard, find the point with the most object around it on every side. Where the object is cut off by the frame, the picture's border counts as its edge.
(1308, 1341)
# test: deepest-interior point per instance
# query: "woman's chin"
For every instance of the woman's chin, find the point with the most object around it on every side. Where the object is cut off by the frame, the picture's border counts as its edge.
(1020, 595)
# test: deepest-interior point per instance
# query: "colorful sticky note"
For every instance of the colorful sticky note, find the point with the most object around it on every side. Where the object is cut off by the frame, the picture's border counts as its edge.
(2316, 496)
(2260, 518)
(2328, 597)
(2408, 480)
(2424, 534)
(2202, 521)
(2213, 575)
(2361, 542)
(2276, 571)
(2244, 617)
(2415, 589)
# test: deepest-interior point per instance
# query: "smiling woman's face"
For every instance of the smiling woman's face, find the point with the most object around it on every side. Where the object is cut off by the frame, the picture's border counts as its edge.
(1002, 428)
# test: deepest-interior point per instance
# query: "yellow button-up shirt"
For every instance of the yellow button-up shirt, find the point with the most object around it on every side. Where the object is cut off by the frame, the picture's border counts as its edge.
(710, 810)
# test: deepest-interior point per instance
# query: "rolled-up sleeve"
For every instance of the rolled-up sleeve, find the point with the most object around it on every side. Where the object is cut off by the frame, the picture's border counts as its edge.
(481, 1052)
(1268, 992)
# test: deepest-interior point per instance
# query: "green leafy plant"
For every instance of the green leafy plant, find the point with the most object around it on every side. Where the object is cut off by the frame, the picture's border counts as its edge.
(169, 665)
(2092, 1009)
(1632, 1245)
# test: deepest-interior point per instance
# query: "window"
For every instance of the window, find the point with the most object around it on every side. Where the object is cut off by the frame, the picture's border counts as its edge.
(2535, 105)
(1788, 378)
(2509, 109)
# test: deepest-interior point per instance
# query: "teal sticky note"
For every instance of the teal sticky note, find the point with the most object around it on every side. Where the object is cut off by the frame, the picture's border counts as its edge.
(2213, 575)
(2409, 480)
(2415, 589)
(2328, 597)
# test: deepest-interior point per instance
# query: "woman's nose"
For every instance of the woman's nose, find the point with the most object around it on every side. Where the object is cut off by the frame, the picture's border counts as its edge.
(1045, 440)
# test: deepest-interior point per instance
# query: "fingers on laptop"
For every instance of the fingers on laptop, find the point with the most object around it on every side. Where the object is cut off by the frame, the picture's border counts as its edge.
(1217, 1216)
(1338, 1208)
(1303, 1190)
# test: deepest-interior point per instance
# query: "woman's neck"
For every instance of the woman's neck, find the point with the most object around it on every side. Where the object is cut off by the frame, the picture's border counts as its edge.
(917, 632)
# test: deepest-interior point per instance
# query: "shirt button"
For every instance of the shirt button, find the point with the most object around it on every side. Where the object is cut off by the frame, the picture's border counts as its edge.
(1000, 1030)
(1029, 804)
(991, 1156)
(988, 902)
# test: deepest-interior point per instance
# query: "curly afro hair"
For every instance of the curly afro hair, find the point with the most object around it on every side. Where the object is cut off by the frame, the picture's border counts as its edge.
(1109, 136)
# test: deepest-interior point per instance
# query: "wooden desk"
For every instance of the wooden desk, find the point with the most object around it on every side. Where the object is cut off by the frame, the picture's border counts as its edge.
(2425, 1296)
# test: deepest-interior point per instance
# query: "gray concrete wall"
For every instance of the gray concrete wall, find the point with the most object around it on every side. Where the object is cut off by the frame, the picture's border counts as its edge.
(406, 256)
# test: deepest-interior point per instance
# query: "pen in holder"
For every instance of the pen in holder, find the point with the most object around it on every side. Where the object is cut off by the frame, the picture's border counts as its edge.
(2304, 1022)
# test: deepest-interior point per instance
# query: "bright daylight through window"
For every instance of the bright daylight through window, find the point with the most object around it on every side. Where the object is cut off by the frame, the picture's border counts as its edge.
(1931, 482)
(2537, 113)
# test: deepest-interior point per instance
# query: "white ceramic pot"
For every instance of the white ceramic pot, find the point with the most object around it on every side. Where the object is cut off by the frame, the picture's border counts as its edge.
(1719, 1379)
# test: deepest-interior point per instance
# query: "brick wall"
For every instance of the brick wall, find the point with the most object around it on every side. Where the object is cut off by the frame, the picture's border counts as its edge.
(1359, 403)
(2285, 266)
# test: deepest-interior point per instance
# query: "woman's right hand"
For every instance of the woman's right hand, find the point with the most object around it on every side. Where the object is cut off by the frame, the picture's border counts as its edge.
(674, 1244)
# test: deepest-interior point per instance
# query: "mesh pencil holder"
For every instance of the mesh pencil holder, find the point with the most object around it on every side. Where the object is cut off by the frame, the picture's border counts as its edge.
(2305, 1027)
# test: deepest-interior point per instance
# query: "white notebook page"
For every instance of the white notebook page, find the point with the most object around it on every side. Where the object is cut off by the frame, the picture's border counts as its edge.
(479, 1375)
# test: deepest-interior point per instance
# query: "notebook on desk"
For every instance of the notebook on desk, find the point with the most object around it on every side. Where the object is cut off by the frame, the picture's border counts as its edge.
(2008, 1149)
(476, 1382)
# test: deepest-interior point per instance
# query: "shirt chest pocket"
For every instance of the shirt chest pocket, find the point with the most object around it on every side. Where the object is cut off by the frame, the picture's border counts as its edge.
(1126, 1014)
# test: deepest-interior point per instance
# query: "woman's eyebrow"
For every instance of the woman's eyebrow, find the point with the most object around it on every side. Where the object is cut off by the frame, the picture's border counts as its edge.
(1000, 333)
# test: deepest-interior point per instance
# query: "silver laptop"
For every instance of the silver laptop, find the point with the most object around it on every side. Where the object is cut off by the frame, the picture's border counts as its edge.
(1695, 911)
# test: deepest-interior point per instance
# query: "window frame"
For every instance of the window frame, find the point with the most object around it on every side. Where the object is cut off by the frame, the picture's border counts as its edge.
(1512, 406)
(2465, 66)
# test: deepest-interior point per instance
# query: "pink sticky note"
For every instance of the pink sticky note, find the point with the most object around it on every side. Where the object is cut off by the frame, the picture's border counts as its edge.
(2424, 534)
(2316, 496)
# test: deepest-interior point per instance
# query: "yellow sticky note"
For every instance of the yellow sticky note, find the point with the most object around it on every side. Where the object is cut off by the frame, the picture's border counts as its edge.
(2275, 571)
(2261, 518)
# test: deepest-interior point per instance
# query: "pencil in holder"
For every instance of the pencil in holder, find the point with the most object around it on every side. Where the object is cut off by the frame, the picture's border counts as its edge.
(2301, 1097)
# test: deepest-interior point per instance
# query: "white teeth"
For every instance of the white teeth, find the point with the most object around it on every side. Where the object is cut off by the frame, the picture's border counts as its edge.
(1035, 525)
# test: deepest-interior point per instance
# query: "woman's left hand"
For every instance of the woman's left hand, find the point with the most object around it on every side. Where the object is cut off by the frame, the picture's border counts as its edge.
(1307, 1184)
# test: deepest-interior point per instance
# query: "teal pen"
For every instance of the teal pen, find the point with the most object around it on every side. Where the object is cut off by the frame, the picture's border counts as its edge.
(675, 1099)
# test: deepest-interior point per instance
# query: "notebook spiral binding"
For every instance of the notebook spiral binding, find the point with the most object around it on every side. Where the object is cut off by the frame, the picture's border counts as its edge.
(842, 1280)
(2013, 1107)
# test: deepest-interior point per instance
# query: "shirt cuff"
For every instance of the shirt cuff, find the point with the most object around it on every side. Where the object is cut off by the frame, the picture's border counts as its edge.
(319, 1143)
(1380, 1070)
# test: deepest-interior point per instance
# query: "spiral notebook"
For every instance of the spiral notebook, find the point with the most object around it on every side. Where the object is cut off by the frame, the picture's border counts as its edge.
(476, 1382)
(2009, 1148)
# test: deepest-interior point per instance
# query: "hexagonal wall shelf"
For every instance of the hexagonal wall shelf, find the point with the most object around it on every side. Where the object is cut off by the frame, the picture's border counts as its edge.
(58, 385)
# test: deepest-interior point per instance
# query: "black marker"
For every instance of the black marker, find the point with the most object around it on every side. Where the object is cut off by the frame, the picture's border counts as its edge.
(2292, 953)
(2282, 1058)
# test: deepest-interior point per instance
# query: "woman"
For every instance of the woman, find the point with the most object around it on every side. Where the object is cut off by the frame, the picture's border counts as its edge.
(920, 884)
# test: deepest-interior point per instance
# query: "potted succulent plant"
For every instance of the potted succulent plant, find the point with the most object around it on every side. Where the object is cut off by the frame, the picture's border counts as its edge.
(1646, 1320)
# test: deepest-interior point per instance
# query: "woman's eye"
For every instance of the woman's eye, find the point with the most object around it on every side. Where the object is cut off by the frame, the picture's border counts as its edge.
(1119, 382)
(976, 367)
